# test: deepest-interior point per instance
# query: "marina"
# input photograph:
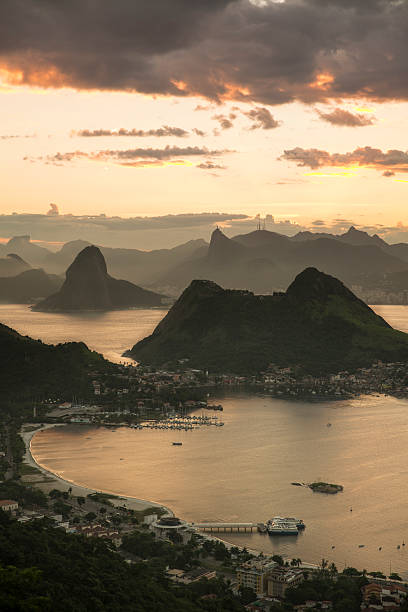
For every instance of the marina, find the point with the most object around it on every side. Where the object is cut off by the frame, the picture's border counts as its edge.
(180, 423)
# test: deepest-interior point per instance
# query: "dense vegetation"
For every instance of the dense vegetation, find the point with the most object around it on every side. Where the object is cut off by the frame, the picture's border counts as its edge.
(45, 569)
(318, 325)
(32, 369)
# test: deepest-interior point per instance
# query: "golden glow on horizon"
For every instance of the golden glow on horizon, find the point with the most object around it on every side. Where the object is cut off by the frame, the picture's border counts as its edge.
(330, 175)
(362, 109)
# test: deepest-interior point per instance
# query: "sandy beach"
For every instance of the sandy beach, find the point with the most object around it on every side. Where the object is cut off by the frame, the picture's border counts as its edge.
(49, 480)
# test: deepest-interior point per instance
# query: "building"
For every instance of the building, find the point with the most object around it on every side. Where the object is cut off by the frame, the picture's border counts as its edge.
(182, 577)
(254, 574)
(384, 596)
(171, 527)
(149, 519)
(8, 505)
(281, 578)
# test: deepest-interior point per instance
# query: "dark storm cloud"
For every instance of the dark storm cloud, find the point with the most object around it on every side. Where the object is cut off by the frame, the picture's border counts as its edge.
(165, 130)
(262, 118)
(309, 50)
(343, 117)
(394, 159)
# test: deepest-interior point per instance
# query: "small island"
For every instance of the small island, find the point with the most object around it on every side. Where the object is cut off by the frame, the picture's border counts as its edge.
(325, 487)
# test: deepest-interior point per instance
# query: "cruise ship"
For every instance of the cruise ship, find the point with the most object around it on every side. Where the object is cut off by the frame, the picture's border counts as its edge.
(279, 525)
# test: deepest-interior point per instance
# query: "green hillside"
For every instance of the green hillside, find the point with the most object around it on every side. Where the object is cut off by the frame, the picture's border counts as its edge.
(317, 324)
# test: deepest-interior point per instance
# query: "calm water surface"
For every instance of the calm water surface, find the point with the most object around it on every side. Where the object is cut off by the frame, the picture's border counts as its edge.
(243, 471)
(110, 333)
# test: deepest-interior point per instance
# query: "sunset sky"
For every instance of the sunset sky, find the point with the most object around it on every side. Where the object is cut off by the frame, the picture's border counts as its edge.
(296, 109)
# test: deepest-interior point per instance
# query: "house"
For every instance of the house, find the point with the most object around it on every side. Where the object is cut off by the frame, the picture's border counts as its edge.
(385, 596)
(8, 505)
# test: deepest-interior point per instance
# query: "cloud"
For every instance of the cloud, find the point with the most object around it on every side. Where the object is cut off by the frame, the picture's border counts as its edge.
(53, 211)
(13, 136)
(137, 157)
(165, 130)
(264, 52)
(226, 123)
(393, 160)
(262, 118)
(343, 117)
(210, 165)
(198, 132)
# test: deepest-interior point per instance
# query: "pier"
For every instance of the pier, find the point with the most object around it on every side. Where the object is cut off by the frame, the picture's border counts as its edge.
(225, 526)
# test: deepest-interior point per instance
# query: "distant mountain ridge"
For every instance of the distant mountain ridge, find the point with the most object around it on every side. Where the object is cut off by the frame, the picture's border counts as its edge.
(318, 325)
(28, 286)
(88, 286)
(262, 261)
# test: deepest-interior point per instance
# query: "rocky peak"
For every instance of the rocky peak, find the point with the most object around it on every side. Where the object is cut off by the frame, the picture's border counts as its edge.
(89, 261)
(311, 284)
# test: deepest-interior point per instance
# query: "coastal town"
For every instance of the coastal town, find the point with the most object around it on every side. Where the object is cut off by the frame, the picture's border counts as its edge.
(131, 394)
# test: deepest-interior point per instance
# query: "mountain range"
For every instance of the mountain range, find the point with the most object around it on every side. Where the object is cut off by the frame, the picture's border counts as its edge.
(261, 261)
(88, 286)
(317, 325)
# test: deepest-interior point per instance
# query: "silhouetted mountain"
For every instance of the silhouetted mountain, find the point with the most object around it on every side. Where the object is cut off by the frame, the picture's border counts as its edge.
(264, 261)
(358, 238)
(318, 324)
(12, 264)
(28, 287)
(222, 251)
(88, 286)
(140, 267)
(31, 369)
(22, 245)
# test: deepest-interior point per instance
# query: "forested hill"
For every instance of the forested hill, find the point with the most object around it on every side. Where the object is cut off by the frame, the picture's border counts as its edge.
(318, 325)
(43, 569)
(31, 369)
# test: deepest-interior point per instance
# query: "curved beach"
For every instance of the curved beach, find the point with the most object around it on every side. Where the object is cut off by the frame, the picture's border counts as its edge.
(53, 481)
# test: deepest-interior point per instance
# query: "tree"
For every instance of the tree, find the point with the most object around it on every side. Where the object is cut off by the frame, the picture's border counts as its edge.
(395, 576)
(90, 516)
(55, 493)
(102, 510)
(246, 595)
(332, 569)
(278, 559)
(81, 500)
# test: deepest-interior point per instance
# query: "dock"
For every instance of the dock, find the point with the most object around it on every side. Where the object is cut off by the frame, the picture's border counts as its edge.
(225, 526)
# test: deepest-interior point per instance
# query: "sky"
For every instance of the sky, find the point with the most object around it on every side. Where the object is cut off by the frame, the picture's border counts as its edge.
(295, 109)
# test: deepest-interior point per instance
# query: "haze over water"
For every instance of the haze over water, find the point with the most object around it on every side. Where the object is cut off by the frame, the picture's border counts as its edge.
(243, 471)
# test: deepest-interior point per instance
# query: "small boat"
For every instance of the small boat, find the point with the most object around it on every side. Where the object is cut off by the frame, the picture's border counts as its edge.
(398, 547)
(177, 444)
(328, 425)
(361, 545)
(380, 548)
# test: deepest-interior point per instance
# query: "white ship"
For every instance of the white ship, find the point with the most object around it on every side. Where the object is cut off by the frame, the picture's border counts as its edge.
(279, 525)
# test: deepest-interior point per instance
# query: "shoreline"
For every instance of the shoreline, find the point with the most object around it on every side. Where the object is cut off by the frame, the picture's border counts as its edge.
(53, 481)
